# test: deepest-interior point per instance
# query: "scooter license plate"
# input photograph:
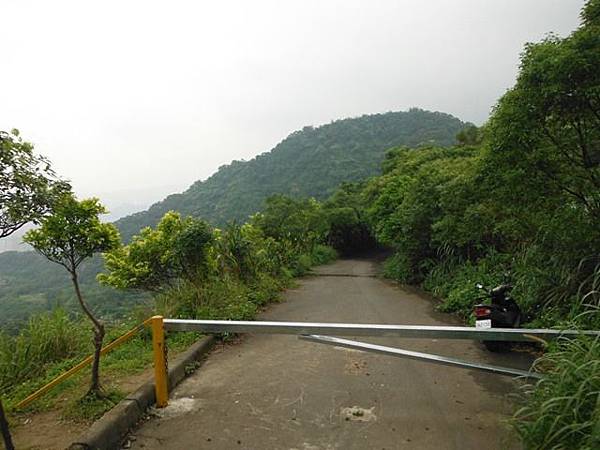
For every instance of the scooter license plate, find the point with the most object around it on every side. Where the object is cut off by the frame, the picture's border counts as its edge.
(483, 323)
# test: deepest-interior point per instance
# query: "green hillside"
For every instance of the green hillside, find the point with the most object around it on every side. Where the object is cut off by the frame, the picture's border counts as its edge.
(31, 284)
(309, 162)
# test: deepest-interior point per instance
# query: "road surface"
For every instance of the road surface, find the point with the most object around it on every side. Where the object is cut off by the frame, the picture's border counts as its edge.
(277, 392)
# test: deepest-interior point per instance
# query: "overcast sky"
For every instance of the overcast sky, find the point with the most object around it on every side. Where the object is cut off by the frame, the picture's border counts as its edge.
(132, 100)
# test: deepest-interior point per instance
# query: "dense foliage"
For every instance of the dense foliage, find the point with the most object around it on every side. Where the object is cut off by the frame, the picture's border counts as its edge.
(156, 259)
(311, 162)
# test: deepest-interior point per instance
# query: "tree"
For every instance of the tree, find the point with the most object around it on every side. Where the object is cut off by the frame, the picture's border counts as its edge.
(8, 443)
(349, 231)
(28, 185)
(236, 252)
(548, 125)
(469, 135)
(69, 236)
(302, 223)
(157, 258)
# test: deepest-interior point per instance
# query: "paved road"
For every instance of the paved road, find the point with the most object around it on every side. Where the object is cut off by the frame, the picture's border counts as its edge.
(276, 392)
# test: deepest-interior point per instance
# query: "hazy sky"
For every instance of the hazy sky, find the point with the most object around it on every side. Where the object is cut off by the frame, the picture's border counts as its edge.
(135, 99)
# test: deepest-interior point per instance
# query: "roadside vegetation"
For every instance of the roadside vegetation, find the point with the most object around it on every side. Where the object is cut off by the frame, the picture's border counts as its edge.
(561, 411)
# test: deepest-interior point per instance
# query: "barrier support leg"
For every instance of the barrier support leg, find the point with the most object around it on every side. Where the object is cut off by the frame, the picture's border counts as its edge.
(160, 362)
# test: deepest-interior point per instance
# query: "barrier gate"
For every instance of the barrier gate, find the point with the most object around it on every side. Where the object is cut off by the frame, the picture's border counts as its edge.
(322, 333)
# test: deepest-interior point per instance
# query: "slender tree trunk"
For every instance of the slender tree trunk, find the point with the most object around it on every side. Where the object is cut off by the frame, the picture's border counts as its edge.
(99, 333)
(8, 444)
(95, 387)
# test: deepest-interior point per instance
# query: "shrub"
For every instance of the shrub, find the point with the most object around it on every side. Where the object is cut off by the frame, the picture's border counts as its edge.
(398, 268)
(456, 283)
(264, 289)
(322, 254)
(300, 265)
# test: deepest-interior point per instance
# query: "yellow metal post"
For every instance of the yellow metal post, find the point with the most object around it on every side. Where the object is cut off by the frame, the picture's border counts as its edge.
(160, 362)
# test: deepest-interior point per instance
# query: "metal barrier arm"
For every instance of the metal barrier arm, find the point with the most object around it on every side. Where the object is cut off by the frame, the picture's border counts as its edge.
(418, 356)
(349, 329)
(312, 331)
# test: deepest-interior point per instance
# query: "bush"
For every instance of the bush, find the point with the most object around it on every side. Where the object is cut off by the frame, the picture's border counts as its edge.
(552, 288)
(300, 265)
(265, 289)
(322, 254)
(563, 410)
(456, 283)
(398, 268)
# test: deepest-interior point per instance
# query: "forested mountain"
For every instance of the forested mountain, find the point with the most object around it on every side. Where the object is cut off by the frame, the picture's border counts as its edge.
(310, 162)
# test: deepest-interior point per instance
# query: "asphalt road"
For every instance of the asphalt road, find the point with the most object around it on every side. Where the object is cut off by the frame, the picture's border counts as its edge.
(277, 392)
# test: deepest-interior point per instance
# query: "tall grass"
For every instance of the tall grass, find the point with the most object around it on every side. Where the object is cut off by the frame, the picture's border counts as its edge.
(562, 411)
(48, 338)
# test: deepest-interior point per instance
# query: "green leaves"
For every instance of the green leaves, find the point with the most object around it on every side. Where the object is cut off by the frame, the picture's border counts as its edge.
(156, 258)
(547, 127)
(28, 186)
(418, 205)
(302, 223)
(73, 232)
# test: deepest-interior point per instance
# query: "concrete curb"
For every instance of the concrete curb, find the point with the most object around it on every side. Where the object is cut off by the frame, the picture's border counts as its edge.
(108, 432)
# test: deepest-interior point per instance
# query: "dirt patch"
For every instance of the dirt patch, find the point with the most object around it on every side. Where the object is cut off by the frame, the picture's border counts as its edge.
(47, 430)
